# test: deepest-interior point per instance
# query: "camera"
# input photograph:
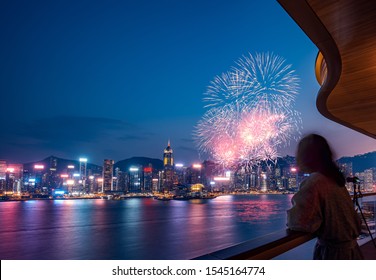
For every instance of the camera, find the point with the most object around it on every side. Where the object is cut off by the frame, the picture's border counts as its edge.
(354, 180)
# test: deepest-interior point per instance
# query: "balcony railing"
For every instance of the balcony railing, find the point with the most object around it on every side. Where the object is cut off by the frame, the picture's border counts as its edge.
(277, 243)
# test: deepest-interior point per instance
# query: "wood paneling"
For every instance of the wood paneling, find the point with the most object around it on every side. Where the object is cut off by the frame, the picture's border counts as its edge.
(349, 97)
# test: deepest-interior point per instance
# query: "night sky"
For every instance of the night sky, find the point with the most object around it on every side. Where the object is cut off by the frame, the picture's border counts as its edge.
(116, 79)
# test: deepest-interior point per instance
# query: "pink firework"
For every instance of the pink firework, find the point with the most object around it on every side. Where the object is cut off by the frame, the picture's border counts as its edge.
(260, 134)
(225, 150)
(250, 113)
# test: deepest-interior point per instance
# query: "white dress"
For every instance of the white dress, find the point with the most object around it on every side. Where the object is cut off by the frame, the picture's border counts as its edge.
(326, 209)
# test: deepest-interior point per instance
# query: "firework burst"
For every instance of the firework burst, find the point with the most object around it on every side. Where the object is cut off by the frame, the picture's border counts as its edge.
(228, 88)
(250, 112)
(263, 78)
(268, 79)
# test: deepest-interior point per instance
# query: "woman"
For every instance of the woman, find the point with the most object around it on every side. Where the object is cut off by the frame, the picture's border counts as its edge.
(323, 205)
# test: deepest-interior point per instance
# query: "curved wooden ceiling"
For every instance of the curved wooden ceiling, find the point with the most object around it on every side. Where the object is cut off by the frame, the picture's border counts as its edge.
(345, 33)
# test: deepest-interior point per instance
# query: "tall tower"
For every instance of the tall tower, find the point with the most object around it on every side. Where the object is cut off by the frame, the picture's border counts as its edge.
(168, 164)
(168, 160)
(83, 174)
(108, 169)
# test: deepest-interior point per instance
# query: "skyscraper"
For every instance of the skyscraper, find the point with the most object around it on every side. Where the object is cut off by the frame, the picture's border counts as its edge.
(83, 173)
(168, 166)
(108, 167)
(3, 170)
(168, 160)
(14, 174)
(148, 179)
(135, 176)
(83, 164)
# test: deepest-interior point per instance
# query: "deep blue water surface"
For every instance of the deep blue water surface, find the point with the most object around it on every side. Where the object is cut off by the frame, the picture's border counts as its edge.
(135, 228)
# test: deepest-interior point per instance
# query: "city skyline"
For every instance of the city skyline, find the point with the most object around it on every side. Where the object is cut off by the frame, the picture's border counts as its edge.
(54, 177)
(179, 162)
(116, 80)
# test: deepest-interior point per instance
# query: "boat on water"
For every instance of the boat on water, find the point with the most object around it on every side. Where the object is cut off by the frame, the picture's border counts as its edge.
(163, 198)
(192, 197)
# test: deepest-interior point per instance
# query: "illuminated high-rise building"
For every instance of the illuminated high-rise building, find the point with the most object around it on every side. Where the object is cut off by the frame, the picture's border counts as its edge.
(148, 179)
(83, 175)
(83, 165)
(180, 173)
(368, 180)
(168, 159)
(263, 182)
(108, 169)
(39, 178)
(168, 166)
(14, 174)
(135, 175)
(3, 169)
(116, 179)
(52, 177)
(194, 174)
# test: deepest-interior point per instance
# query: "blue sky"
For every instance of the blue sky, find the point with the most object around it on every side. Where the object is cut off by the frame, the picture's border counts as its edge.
(116, 79)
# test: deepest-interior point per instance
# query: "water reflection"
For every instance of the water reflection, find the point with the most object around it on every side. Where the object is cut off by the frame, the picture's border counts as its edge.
(264, 210)
(135, 228)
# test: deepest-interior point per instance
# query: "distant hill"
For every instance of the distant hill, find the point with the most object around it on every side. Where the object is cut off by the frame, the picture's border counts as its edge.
(140, 161)
(361, 162)
(61, 164)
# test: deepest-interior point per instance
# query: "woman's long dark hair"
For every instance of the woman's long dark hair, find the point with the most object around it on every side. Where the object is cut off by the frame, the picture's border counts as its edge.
(314, 155)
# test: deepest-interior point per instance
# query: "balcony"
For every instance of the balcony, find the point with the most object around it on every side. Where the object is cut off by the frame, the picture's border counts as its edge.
(287, 244)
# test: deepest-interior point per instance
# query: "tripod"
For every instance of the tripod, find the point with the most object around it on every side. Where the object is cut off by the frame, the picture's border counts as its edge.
(356, 196)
